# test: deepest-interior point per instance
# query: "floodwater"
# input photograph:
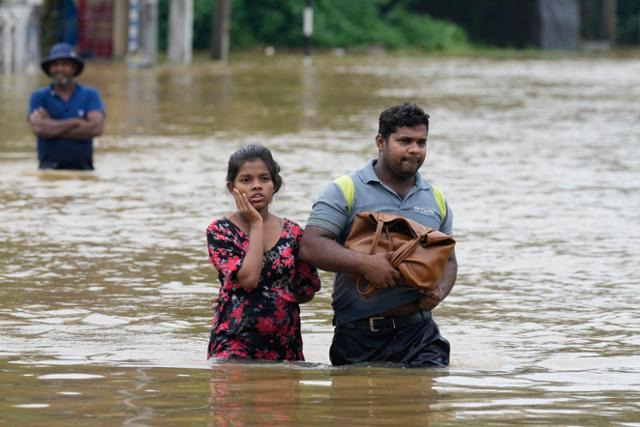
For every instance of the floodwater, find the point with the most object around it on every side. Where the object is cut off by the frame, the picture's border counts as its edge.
(106, 286)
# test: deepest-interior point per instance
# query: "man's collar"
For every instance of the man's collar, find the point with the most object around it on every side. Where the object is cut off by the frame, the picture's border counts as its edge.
(52, 90)
(368, 174)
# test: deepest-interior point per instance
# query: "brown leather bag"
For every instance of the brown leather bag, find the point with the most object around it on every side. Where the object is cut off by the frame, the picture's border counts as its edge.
(420, 253)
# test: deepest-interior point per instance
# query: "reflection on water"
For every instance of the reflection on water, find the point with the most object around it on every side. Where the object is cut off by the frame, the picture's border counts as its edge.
(292, 395)
(227, 394)
(105, 282)
(272, 393)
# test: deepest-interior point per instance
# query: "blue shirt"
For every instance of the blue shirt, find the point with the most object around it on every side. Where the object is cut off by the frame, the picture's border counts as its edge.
(61, 153)
(331, 212)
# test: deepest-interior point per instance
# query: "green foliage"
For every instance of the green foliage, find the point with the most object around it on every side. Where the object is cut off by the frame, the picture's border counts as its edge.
(202, 15)
(427, 33)
(628, 12)
(337, 23)
(266, 22)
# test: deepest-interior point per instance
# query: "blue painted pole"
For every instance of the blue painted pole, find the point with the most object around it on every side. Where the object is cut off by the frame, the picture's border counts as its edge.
(134, 14)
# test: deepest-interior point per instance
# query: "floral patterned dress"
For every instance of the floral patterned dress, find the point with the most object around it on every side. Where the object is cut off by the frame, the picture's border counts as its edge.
(262, 323)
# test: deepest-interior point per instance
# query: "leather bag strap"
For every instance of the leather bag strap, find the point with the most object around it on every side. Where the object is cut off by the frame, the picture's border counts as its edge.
(377, 235)
(404, 251)
(370, 289)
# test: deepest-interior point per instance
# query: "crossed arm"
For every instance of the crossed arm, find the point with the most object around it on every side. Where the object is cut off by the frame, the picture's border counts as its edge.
(76, 128)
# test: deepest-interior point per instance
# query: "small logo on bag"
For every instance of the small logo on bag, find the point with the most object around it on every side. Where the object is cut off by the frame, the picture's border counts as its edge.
(424, 211)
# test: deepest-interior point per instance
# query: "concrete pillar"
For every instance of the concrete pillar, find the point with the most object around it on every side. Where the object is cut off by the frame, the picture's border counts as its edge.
(559, 24)
(6, 31)
(20, 36)
(181, 31)
(221, 28)
(6, 38)
(149, 31)
(21, 16)
(610, 20)
(120, 25)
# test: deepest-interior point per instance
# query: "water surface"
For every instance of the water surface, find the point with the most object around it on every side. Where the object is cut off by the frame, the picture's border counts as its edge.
(105, 281)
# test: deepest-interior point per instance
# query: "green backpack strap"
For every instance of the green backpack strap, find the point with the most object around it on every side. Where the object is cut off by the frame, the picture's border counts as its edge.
(441, 201)
(348, 189)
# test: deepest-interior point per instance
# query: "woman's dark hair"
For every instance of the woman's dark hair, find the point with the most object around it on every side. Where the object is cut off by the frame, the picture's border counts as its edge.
(407, 114)
(253, 152)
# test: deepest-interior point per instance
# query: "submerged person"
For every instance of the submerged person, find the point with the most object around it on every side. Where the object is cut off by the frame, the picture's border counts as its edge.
(65, 116)
(395, 324)
(263, 279)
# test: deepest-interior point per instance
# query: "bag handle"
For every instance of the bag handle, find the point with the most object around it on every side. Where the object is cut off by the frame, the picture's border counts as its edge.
(377, 235)
(405, 250)
(398, 256)
(370, 289)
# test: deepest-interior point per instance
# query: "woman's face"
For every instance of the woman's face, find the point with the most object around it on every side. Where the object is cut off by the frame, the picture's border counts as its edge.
(254, 179)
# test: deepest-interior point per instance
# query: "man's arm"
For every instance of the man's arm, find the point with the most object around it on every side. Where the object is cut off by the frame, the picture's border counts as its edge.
(319, 248)
(88, 128)
(45, 127)
(449, 275)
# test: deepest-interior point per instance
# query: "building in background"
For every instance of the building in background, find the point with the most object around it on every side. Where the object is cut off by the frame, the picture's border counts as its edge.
(19, 36)
(128, 29)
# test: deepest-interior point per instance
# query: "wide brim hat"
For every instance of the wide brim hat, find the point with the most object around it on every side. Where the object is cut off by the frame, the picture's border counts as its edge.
(62, 51)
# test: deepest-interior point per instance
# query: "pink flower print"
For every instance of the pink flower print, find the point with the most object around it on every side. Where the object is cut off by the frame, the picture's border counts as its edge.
(230, 265)
(286, 251)
(221, 355)
(266, 326)
(224, 326)
(266, 355)
(281, 314)
(237, 347)
(304, 269)
(236, 313)
(295, 232)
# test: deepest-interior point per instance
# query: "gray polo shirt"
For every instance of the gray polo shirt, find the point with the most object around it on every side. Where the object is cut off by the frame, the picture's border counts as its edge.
(331, 212)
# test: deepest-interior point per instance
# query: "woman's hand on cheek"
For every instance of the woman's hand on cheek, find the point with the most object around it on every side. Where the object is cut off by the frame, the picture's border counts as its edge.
(245, 209)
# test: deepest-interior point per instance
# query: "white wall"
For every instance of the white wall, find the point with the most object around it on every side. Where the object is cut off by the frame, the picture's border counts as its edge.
(19, 36)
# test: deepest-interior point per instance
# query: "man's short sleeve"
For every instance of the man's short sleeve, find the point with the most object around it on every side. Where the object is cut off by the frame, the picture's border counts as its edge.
(36, 101)
(94, 101)
(447, 225)
(330, 211)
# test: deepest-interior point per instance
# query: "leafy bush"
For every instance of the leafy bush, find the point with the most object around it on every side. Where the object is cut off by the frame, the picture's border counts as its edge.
(337, 23)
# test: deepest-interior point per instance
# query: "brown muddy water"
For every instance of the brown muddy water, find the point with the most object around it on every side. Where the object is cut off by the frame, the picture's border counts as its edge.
(105, 281)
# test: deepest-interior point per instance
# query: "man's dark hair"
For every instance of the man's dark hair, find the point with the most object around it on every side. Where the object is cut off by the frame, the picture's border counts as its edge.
(254, 152)
(407, 114)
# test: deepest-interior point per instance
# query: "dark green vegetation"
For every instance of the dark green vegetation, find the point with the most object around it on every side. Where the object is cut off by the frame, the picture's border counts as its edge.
(434, 25)
(337, 23)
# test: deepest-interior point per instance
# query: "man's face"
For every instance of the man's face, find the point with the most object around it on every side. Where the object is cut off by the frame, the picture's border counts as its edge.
(62, 71)
(405, 150)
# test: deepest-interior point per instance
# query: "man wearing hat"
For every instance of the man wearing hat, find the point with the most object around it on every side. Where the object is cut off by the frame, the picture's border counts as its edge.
(65, 116)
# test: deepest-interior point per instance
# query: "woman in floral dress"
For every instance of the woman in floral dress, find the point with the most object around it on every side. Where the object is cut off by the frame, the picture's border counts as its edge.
(262, 278)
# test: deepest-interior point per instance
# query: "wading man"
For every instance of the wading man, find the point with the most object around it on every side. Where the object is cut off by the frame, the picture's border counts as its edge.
(65, 116)
(394, 324)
